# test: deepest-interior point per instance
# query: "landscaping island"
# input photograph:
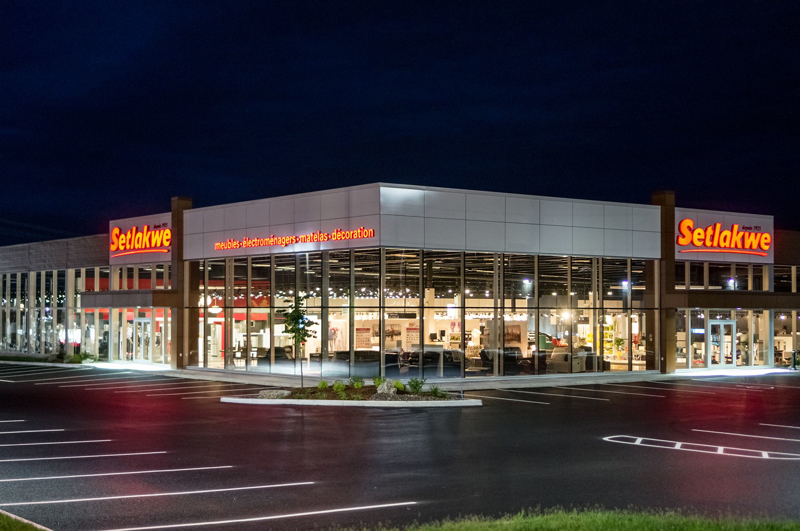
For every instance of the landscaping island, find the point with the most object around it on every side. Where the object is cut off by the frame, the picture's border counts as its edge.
(383, 393)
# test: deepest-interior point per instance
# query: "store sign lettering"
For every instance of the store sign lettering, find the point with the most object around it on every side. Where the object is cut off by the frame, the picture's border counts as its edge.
(156, 239)
(282, 241)
(713, 239)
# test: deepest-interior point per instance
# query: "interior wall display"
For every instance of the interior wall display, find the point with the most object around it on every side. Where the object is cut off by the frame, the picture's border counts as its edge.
(392, 331)
(363, 336)
(512, 334)
(412, 336)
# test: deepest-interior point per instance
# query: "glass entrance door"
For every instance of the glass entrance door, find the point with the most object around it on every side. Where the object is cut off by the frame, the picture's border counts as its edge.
(142, 348)
(721, 343)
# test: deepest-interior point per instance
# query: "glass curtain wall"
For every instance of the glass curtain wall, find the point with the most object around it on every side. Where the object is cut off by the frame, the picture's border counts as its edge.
(433, 314)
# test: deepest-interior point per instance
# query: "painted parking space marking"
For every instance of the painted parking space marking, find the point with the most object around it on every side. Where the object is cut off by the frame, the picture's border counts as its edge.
(78, 457)
(266, 518)
(203, 386)
(781, 426)
(127, 473)
(90, 379)
(28, 431)
(661, 389)
(727, 451)
(746, 435)
(508, 399)
(1, 421)
(156, 494)
(176, 381)
(251, 388)
(110, 385)
(216, 397)
(95, 375)
(58, 442)
(709, 386)
(20, 374)
(607, 391)
(94, 384)
(556, 394)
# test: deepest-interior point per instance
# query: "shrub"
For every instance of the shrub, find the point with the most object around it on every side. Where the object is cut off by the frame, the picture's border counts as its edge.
(399, 385)
(339, 387)
(322, 385)
(76, 358)
(356, 397)
(357, 382)
(415, 385)
(438, 393)
(378, 380)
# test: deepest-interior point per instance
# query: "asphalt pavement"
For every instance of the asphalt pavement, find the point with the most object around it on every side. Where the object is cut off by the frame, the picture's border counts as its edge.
(85, 448)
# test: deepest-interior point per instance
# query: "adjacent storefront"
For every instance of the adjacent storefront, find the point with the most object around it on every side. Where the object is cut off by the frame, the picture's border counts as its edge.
(414, 282)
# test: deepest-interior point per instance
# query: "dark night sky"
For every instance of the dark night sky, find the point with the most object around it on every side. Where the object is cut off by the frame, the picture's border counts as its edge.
(107, 109)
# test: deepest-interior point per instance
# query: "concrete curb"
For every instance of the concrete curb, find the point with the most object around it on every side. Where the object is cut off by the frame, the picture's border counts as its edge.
(350, 403)
(20, 519)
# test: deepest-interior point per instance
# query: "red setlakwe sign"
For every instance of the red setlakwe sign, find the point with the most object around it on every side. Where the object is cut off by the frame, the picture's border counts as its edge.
(282, 241)
(713, 239)
(138, 241)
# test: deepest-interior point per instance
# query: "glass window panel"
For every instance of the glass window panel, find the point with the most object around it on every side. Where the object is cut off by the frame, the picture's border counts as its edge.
(479, 279)
(759, 283)
(260, 358)
(519, 277)
(615, 283)
(260, 282)
(442, 356)
(442, 279)
(284, 279)
(553, 285)
(681, 352)
(145, 274)
(61, 288)
(582, 291)
(196, 283)
(311, 277)
(519, 345)
(616, 347)
(680, 275)
(103, 279)
(403, 342)
(402, 278)
(284, 362)
(366, 362)
(339, 278)
(196, 330)
(639, 288)
(698, 339)
(719, 277)
(741, 278)
(367, 277)
(783, 279)
(555, 340)
(337, 363)
(696, 275)
(784, 339)
(743, 344)
(215, 337)
(237, 357)
(215, 290)
(239, 284)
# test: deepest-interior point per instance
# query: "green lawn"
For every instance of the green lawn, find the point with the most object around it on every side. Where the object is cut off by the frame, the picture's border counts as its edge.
(597, 520)
(10, 524)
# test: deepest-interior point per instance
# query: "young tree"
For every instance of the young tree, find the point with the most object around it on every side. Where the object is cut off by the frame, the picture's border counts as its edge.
(298, 326)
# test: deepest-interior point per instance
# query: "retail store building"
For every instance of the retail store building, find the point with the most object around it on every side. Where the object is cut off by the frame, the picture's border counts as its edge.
(411, 281)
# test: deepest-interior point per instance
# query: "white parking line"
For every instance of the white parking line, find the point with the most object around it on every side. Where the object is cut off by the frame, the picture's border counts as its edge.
(156, 495)
(711, 386)
(15, 368)
(60, 442)
(556, 394)
(169, 380)
(93, 384)
(212, 391)
(118, 473)
(27, 431)
(96, 376)
(215, 397)
(19, 374)
(607, 391)
(77, 457)
(508, 399)
(109, 386)
(12, 421)
(702, 448)
(661, 389)
(781, 426)
(177, 381)
(746, 435)
(204, 385)
(265, 518)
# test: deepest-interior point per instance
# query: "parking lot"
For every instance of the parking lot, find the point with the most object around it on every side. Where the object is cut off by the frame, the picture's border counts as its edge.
(84, 448)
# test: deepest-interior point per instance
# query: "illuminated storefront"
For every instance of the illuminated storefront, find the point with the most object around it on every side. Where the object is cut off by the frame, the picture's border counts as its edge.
(412, 281)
